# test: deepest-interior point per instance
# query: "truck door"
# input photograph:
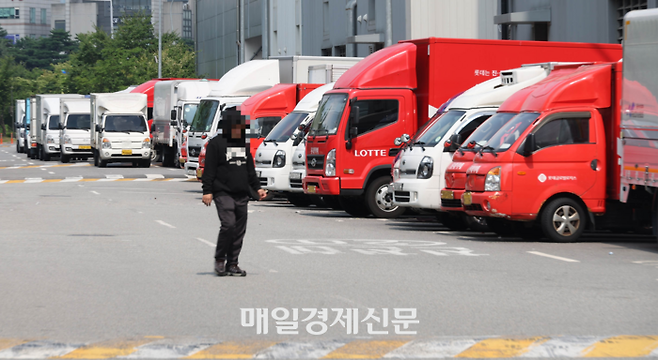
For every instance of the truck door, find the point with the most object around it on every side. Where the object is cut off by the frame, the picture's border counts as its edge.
(378, 126)
(564, 160)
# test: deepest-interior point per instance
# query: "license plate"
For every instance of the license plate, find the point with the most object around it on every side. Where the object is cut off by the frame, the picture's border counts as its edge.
(311, 189)
(467, 198)
(126, 152)
(447, 194)
(295, 176)
(258, 173)
(199, 173)
(86, 147)
(398, 186)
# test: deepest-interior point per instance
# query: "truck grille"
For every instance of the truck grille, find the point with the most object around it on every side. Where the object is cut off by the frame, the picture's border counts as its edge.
(194, 151)
(263, 181)
(451, 203)
(315, 161)
(402, 196)
(296, 183)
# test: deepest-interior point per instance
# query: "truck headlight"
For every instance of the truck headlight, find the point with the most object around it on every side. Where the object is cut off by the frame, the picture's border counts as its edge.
(146, 143)
(107, 144)
(425, 168)
(50, 140)
(492, 182)
(67, 139)
(330, 163)
(279, 159)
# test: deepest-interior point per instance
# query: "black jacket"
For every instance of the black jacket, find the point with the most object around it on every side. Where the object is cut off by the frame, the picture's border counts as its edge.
(230, 175)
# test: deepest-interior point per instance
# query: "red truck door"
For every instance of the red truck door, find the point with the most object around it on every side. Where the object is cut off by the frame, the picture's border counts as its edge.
(379, 119)
(565, 159)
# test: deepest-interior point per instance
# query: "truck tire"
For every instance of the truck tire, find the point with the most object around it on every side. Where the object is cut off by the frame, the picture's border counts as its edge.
(102, 163)
(563, 220)
(64, 158)
(155, 154)
(354, 205)
(380, 201)
(18, 148)
(476, 223)
(95, 157)
(168, 155)
(454, 222)
(44, 155)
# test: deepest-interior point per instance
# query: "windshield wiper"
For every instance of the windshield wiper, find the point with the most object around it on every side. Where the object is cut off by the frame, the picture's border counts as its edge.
(488, 148)
(421, 143)
(270, 140)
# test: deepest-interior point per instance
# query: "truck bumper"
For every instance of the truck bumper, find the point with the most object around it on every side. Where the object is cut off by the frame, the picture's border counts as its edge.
(75, 150)
(492, 204)
(51, 148)
(119, 155)
(451, 200)
(416, 194)
(321, 185)
(274, 179)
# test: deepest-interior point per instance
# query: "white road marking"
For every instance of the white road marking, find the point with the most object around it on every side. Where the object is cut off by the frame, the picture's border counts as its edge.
(300, 350)
(72, 179)
(273, 271)
(41, 349)
(165, 224)
(33, 180)
(44, 169)
(552, 256)
(51, 172)
(169, 349)
(114, 176)
(94, 192)
(206, 242)
(154, 176)
(432, 349)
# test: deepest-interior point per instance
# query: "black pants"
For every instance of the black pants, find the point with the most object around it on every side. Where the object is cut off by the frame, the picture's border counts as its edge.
(233, 225)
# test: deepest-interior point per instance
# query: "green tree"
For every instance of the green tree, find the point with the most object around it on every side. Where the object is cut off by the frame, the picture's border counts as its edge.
(42, 53)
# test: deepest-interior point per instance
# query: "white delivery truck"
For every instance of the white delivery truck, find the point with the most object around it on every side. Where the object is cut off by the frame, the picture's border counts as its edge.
(327, 73)
(274, 156)
(30, 132)
(119, 132)
(174, 104)
(19, 125)
(47, 123)
(418, 172)
(74, 129)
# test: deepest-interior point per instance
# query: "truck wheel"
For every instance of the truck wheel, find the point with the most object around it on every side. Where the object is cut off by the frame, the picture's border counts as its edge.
(501, 227)
(318, 201)
(454, 222)
(18, 148)
(380, 201)
(155, 154)
(354, 205)
(95, 158)
(64, 158)
(332, 201)
(45, 156)
(563, 220)
(102, 163)
(477, 223)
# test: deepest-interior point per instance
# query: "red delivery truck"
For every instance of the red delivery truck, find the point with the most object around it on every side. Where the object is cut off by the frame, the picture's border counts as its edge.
(265, 109)
(350, 147)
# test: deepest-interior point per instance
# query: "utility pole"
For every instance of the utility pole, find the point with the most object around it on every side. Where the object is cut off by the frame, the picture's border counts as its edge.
(160, 41)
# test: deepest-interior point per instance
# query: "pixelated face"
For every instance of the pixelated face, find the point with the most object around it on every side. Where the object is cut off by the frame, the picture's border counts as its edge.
(237, 131)
(234, 126)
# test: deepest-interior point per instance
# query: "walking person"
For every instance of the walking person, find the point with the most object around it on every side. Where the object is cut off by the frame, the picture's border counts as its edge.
(229, 178)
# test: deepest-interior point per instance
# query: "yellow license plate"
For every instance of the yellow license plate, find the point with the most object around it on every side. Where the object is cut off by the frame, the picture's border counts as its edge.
(447, 194)
(86, 147)
(467, 198)
(311, 189)
(126, 152)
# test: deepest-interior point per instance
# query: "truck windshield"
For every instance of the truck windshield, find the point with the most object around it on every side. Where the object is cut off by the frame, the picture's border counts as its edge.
(264, 125)
(284, 129)
(125, 123)
(328, 116)
(53, 121)
(188, 112)
(202, 121)
(437, 130)
(78, 122)
(507, 135)
(480, 137)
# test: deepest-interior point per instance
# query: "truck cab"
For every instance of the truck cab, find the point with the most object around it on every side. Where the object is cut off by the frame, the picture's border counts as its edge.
(19, 122)
(47, 124)
(74, 133)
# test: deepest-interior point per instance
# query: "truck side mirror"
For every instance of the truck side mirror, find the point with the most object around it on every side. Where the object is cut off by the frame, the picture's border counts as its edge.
(453, 144)
(173, 114)
(60, 126)
(530, 145)
(354, 130)
(99, 128)
(173, 123)
(184, 124)
(43, 126)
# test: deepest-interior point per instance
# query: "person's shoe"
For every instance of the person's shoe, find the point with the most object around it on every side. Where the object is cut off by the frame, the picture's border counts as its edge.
(220, 268)
(234, 270)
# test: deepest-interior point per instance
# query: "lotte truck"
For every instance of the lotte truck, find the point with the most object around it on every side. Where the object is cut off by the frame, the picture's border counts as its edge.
(119, 130)
(350, 147)
(174, 104)
(74, 128)
(419, 168)
(47, 124)
(274, 156)
(19, 124)
(583, 150)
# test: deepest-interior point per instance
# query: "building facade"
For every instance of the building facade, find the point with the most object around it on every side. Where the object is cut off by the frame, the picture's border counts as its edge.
(28, 18)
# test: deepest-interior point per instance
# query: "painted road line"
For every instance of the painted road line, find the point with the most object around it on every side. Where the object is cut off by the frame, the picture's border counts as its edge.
(501, 347)
(106, 350)
(170, 349)
(33, 180)
(301, 350)
(72, 179)
(623, 346)
(9, 343)
(39, 350)
(562, 347)
(94, 192)
(552, 256)
(154, 176)
(432, 349)
(232, 350)
(206, 242)
(113, 176)
(364, 349)
(165, 224)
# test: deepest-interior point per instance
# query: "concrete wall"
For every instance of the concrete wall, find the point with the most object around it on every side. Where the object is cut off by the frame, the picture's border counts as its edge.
(469, 19)
(82, 18)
